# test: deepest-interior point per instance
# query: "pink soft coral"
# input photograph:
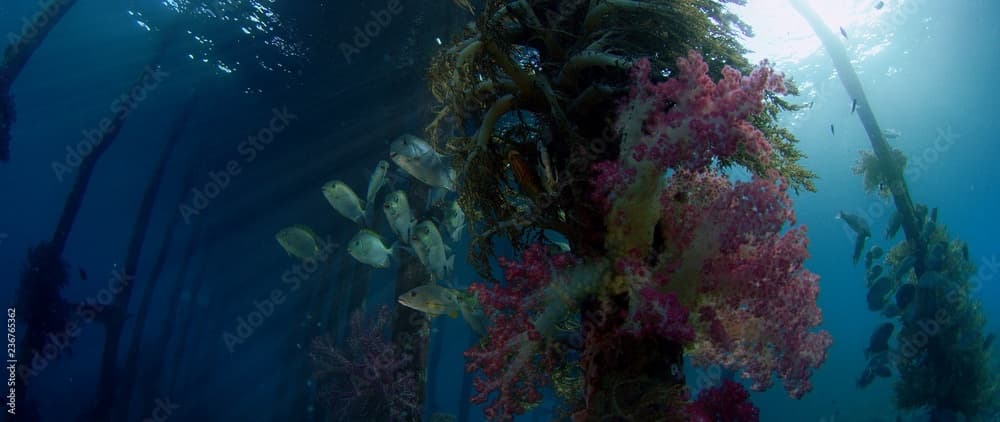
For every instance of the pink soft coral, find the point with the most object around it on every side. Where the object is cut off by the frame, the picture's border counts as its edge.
(754, 286)
(725, 252)
(659, 314)
(695, 120)
(514, 360)
(727, 402)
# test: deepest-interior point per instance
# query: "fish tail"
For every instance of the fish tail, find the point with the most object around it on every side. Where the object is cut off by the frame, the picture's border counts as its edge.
(859, 245)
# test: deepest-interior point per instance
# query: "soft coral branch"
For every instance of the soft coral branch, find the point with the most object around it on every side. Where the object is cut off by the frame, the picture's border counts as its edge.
(691, 121)
(368, 376)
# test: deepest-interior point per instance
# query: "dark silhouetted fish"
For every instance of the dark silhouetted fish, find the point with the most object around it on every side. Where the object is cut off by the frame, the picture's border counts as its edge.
(891, 311)
(879, 359)
(878, 6)
(860, 227)
(874, 272)
(854, 105)
(876, 252)
(879, 341)
(905, 295)
(843, 32)
(877, 293)
(832, 131)
(866, 378)
(882, 371)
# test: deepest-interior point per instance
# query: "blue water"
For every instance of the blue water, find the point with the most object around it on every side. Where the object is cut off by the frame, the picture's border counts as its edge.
(934, 81)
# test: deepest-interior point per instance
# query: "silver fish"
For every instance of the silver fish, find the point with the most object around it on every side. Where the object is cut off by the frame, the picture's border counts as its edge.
(398, 213)
(377, 180)
(343, 199)
(454, 221)
(416, 157)
(299, 241)
(430, 249)
(367, 247)
(891, 133)
(473, 314)
(860, 227)
(432, 299)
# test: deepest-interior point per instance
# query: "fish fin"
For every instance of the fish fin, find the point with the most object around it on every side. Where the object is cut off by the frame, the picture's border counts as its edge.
(456, 234)
(450, 263)
(475, 320)
(453, 314)
(859, 245)
(396, 248)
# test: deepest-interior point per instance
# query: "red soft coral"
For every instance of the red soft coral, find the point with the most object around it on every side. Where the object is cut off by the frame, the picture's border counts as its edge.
(727, 402)
(659, 314)
(514, 360)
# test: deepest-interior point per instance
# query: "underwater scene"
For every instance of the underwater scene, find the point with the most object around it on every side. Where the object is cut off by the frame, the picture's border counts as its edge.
(500, 210)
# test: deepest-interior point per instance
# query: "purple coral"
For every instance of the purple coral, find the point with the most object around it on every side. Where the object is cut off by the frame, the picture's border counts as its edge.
(369, 377)
(728, 402)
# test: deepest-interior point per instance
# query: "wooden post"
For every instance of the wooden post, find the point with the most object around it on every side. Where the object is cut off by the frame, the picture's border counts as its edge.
(889, 168)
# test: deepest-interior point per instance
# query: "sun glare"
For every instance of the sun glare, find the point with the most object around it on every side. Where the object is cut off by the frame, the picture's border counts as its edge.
(782, 36)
